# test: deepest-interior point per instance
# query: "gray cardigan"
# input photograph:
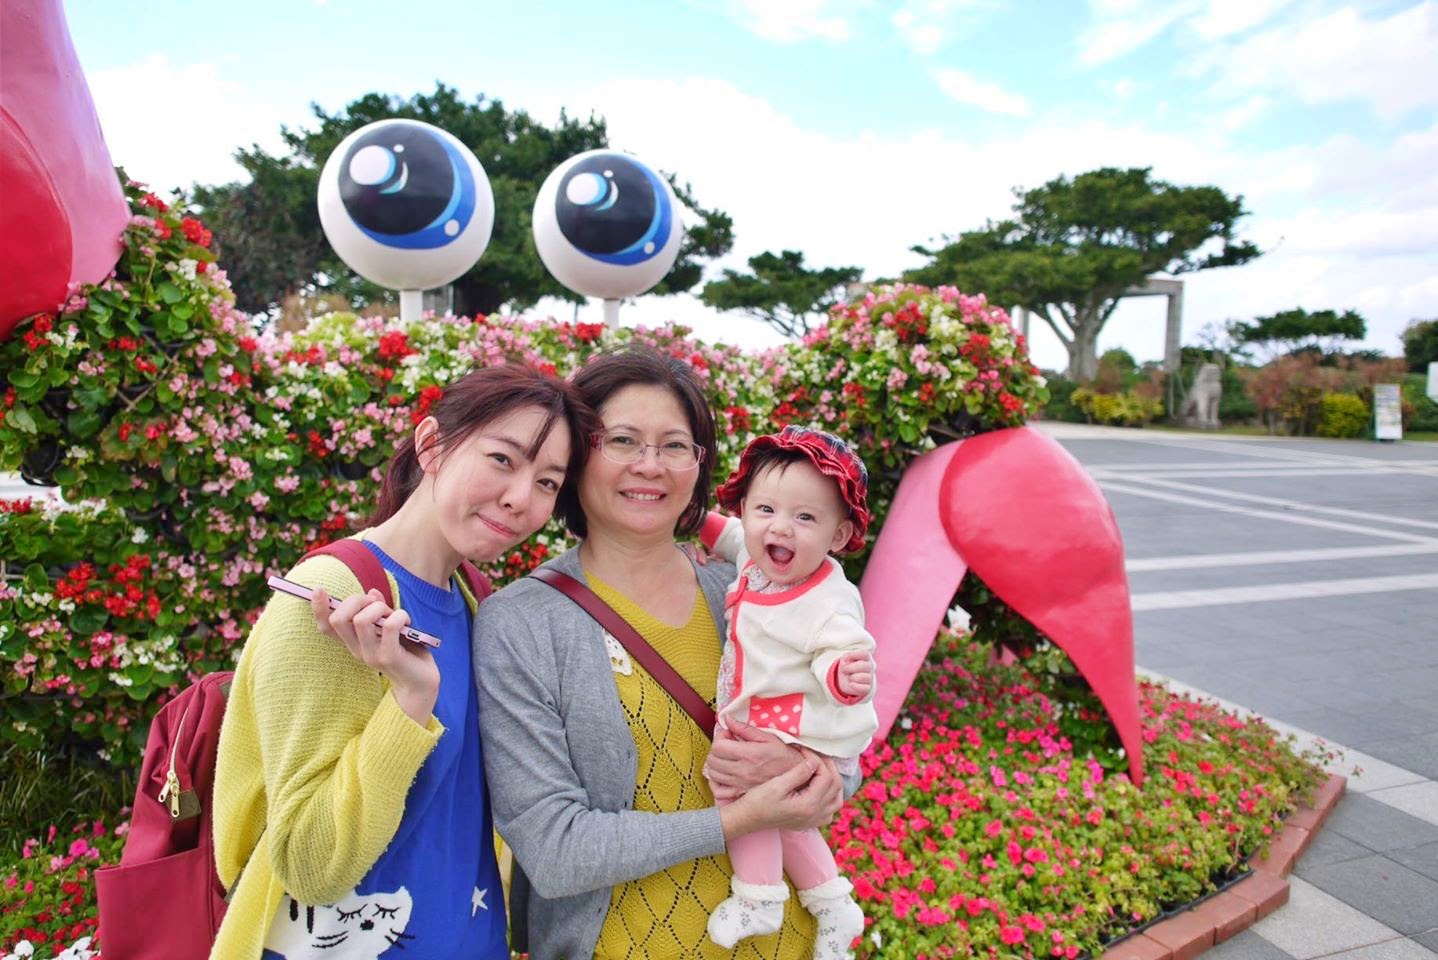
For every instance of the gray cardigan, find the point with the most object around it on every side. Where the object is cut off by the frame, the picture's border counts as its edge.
(561, 764)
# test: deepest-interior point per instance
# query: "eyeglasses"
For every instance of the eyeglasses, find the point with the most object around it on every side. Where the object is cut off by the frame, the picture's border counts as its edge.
(620, 447)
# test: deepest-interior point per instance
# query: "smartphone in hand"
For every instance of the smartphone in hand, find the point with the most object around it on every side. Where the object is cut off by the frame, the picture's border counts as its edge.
(305, 593)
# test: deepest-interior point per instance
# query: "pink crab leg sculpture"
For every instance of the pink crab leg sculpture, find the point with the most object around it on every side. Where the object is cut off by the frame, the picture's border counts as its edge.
(1018, 510)
(62, 211)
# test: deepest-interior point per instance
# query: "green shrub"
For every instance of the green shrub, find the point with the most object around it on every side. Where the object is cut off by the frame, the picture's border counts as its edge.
(1424, 411)
(1131, 408)
(1343, 415)
(1060, 405)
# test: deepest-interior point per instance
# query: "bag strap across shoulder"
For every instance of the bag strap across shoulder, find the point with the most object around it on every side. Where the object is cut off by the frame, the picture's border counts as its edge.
(370, 572)
(362, 563)
(650, 659)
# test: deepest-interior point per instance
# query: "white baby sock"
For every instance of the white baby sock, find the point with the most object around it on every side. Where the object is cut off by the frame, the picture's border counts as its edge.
(754, 909)
(840, 918)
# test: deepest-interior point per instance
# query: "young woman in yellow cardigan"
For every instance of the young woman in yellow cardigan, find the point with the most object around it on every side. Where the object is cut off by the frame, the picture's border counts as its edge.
(351, 812)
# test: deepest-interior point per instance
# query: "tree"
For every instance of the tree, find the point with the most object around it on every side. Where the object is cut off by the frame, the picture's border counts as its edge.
(1074, 246)
(781, 291)
(1420, 344)
(268, 232)
(1296, 331)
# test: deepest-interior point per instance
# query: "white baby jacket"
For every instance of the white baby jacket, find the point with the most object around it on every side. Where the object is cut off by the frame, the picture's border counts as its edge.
(784, 648)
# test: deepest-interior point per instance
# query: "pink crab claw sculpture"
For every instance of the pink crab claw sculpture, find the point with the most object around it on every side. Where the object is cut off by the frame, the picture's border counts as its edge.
(1018, 510)
(62, 211)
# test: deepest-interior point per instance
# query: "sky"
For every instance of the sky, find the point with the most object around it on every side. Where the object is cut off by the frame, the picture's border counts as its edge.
(851, 130)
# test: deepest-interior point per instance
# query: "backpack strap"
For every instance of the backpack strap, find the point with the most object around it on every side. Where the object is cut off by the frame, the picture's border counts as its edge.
(370, 572)
(650, 659)
(362, 563)
(478, 583)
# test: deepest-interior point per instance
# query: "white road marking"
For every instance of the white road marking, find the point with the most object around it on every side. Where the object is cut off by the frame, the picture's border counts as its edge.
(1181, 599)
(1283, 517)
(1263, 557)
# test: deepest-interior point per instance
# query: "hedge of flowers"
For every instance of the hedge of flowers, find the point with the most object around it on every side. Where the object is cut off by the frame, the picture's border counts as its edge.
(206, 452)
(981, 831)
(199, 451)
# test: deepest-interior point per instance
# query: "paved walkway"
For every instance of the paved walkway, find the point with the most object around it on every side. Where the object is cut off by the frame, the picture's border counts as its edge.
(1299, 579)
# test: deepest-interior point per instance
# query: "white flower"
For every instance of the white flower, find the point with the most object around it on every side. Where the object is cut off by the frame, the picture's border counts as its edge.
(139, 536)
(877, 938)
(23, 949)
(79, 950)
(187, 268)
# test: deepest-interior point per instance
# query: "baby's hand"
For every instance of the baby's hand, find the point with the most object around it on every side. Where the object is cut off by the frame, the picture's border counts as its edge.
(856, 674)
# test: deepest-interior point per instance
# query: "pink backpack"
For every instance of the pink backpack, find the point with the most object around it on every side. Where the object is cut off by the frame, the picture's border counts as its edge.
(164, 901)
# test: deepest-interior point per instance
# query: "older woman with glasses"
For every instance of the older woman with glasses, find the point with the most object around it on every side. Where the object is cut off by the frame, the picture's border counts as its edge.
(595, 769)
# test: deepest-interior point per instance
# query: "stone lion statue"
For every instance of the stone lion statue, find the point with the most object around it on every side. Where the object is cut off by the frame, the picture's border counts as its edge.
(1200, 409)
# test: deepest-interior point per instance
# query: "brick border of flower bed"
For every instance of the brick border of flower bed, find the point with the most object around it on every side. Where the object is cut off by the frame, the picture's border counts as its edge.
(1263, 891)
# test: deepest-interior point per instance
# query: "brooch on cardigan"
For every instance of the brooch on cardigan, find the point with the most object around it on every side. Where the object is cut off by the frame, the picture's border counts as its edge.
(618, 657)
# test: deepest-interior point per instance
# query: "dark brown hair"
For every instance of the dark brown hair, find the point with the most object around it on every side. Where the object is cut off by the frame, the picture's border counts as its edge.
(609, 373)
(479, 398)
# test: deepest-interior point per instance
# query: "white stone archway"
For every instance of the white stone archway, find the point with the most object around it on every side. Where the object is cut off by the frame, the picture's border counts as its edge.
(1153, 287)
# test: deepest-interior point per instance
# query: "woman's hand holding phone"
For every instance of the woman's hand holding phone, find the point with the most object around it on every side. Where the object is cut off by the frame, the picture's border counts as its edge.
(409, 667)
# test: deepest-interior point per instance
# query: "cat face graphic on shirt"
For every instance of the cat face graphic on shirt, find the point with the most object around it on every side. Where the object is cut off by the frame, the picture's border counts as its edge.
(355, 928)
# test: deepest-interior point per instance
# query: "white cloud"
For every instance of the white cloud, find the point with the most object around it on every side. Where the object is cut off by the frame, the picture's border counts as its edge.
(789, 21)
(212, 109)
(1340, 57)
(1225, 18)
(970, 90)
(1123, 28)
(1245, 113)
(927, 25)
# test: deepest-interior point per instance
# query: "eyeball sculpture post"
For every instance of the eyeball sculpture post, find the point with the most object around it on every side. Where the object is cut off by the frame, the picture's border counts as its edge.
(407, 206)
(607, 226)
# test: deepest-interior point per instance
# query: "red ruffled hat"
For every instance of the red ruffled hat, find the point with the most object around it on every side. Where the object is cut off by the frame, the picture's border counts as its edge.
(830, 456)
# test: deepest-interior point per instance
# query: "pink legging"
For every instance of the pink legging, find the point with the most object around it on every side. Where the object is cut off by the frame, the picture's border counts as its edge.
(763, 856)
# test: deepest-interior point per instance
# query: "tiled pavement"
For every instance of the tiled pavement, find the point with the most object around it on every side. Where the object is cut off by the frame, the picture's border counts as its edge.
(1299, 579)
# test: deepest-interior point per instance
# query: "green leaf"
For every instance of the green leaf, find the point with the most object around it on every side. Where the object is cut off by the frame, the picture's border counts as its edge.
(21, 419)
(212, 371)
(83, 423)
(171, 293)
(23, 379)
(87, 620)
(183, 310)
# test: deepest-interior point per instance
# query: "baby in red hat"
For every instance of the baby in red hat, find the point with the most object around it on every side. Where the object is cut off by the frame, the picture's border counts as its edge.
(798, 661)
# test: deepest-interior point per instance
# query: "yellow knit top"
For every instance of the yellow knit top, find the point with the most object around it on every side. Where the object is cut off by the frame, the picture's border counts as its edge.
(663, 916)
(312, 811)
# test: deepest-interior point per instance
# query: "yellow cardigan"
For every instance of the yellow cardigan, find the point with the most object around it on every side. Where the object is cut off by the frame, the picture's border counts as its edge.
(315, 761)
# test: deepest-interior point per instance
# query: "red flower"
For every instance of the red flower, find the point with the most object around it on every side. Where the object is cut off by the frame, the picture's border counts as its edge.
(153, 202)
(125, 430)
(249, 344)
(195, 231)
(394, 345)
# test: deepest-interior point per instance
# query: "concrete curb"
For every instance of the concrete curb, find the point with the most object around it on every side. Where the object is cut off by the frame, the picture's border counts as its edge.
(1218, 918)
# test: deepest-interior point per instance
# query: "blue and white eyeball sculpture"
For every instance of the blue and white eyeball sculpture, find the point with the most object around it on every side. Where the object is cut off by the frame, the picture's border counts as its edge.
(406, 205)
(606, 225)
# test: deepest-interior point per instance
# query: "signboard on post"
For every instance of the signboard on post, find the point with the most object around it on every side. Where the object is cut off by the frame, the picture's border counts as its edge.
(1387, 412)
(1433, 381)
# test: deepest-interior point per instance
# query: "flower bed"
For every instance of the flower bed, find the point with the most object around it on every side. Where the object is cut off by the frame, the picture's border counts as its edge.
(981, 832)
(49, 896)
